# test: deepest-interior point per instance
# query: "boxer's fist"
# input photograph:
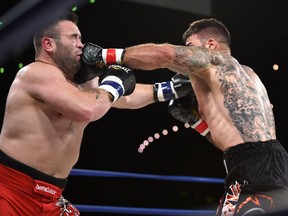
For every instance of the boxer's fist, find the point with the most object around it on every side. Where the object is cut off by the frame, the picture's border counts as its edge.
(185, 109)
(88, 70)
(96, 55)
(118, 81)
(178, 87)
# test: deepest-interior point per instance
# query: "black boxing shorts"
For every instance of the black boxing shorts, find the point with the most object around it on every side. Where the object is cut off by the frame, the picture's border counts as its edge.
(257, 179)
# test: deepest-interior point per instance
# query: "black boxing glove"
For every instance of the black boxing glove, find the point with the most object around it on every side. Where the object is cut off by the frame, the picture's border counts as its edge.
(185, 109)
(178, 87)
(101, 58)
(88, 72)
(94, 61)
(118, 81)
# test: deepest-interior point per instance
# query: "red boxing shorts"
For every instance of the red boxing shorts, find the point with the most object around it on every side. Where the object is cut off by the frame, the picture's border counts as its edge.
(28, 192)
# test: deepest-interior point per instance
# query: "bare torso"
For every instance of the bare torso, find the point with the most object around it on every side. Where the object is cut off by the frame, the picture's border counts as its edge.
(234, 103)
(37, 135)
(231, 97)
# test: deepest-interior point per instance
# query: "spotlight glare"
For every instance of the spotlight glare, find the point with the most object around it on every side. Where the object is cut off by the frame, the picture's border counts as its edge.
(175, 128)
(74, 9)
(275, 67)
(20, 65)
(165, 132)
(186, 125)
(150, 139)
(156, 135)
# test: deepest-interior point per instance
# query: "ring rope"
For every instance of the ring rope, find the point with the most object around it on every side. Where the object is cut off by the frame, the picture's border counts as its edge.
(143, 211)
(137, 210)
(99, 173)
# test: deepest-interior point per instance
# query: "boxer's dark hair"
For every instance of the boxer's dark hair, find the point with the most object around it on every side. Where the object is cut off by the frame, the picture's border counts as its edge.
(50, 29)
(216, 28)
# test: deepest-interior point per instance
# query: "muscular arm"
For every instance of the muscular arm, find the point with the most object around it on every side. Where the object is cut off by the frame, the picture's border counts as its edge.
(54, 90)
(149, 56)
(141, 97)
(180, 59)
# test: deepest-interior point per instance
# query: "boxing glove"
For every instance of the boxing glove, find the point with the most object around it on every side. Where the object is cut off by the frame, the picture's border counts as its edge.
(179, 86)
(185, 109)
(118, 81)
(99, 57)
(95, 60)
(88, 72)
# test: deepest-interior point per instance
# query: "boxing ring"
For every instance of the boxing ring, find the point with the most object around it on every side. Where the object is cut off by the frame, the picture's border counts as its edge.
(142, 211)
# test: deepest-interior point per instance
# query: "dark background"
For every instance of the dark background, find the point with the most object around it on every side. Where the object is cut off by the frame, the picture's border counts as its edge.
(259, 39)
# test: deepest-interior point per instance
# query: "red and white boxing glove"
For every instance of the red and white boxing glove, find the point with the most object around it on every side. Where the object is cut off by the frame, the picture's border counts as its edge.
(185, 109)
(99, 57)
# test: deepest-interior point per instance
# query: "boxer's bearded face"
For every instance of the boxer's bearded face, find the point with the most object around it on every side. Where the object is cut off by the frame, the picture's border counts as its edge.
(66, 58)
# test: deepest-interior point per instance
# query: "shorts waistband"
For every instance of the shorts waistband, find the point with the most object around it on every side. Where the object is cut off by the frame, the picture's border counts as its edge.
(33, 173)
(240, 151)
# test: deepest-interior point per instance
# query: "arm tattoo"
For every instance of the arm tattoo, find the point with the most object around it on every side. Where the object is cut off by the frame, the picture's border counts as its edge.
(188, 59)
(97, 93)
